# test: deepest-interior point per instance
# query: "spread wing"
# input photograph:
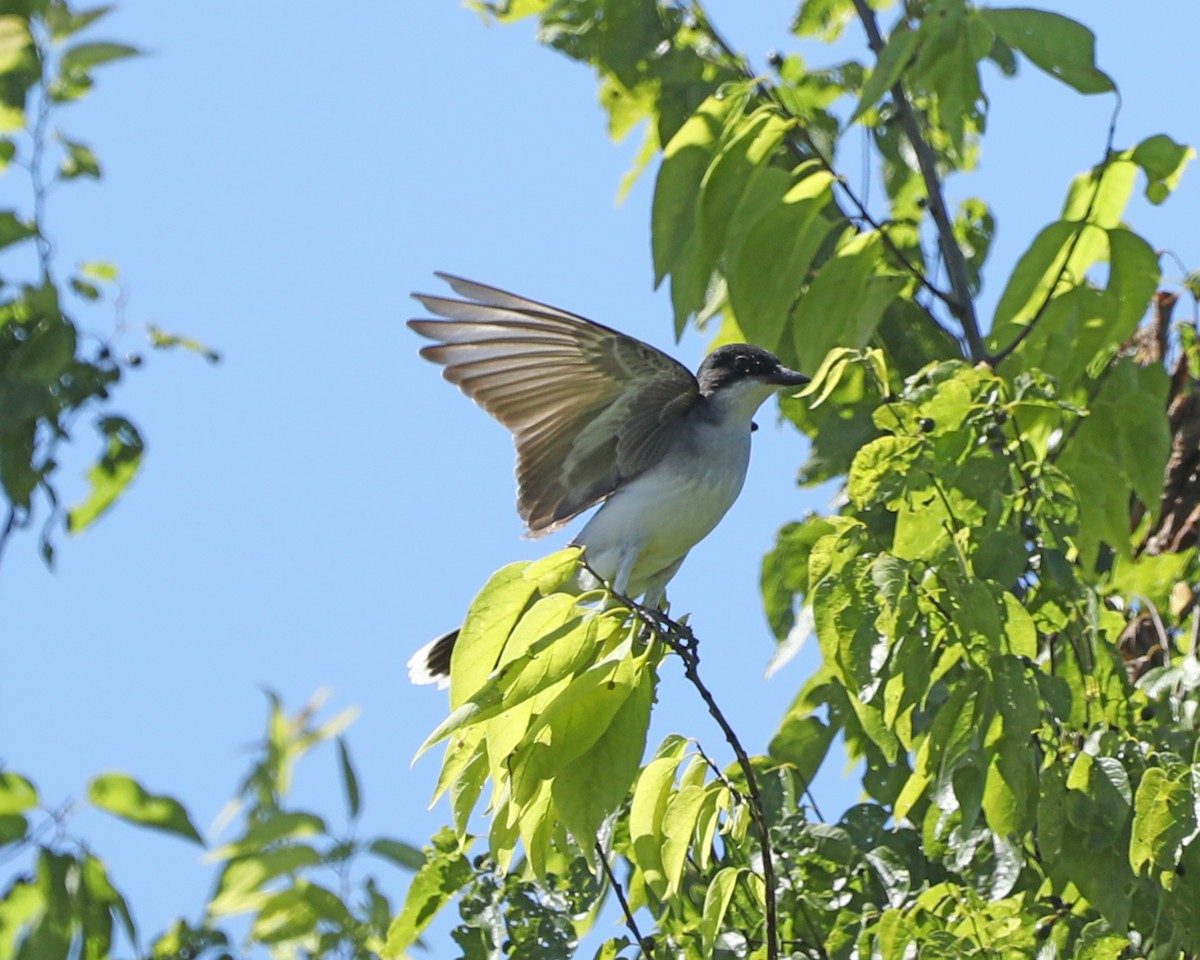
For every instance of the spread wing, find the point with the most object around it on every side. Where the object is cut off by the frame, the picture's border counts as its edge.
(588, 406)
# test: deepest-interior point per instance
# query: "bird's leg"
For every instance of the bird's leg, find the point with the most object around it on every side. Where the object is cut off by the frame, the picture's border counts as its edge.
(625, 561)
(656, 587)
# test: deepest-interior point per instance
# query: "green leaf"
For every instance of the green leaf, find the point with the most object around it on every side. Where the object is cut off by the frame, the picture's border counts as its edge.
(105, 902)
(124, 797)
(80, 161)
(748, 144)
(13, 827)
(573, 721)
(716, 903)
(1062, 47)
(112, 473)
(1163, 819)
(401, 854)
(591, 787)
(1163, 161)
(161, 340)
(240, 886)
(464, 771)
(678, 826)
(445, 872)
(349, 779)
(686, 158)
(802, 741)
(13, 229)
(264, 833)
(22, 906)
(824, 19)
(893, 58)
(785, 571)
(1034, 278)
(947, 63)
(564, 637)
(1134, 275)
(82, 57)
(881, 470)
(490, 620)
(769, 263)
(650, 797)
(16, 43)
(294, 913)
(553, 572)
(852, 287)
(611, 948)
(99, 270)
(894, 875)
(16, 794)
(64, 22)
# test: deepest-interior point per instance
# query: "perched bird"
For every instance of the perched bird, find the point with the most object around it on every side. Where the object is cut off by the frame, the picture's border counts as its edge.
(599, 416)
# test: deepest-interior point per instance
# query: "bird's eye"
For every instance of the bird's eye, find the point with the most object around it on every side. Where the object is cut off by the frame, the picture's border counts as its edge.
(743, 365)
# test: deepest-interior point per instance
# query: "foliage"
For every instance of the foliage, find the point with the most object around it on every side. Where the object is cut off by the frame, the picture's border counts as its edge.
(52, 370)
(300, 886)
(1028, 787)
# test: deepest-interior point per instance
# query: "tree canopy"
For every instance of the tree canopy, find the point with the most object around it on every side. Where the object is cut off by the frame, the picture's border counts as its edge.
(1004, 602)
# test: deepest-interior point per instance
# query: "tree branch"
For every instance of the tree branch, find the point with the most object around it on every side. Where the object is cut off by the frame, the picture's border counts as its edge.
(683, 642)
(961, 303)
(644, 943)
(807, 149)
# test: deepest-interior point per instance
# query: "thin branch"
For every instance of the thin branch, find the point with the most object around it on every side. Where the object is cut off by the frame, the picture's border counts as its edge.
(38, 134)
(644, 943)
(807, 149)
(680, 639)
(1003, 355)
(961, 304)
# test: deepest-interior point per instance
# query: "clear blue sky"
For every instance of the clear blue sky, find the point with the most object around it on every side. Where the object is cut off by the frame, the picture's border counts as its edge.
(278, 178)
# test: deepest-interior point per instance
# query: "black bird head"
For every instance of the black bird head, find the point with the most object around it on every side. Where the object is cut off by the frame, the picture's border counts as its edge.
(741, 362)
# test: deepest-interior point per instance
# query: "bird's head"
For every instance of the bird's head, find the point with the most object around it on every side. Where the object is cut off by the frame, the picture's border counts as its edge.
(741, 376)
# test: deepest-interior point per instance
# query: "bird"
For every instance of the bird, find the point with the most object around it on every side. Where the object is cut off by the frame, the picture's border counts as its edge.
(599, 417)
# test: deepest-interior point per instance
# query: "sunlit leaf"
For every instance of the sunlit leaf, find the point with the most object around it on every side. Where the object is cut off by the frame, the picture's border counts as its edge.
(84, 56)
(443, 874)
(111, 474)
(124, 797)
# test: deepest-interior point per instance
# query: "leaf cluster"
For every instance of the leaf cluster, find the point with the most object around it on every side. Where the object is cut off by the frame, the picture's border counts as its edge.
(1027, 786)
(53, 370)
(300, 882)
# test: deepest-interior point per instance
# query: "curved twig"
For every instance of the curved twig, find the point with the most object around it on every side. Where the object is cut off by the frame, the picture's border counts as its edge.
(998, 358)
(644, 943)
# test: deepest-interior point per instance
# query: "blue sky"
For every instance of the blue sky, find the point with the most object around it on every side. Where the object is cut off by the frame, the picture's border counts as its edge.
(278, 179)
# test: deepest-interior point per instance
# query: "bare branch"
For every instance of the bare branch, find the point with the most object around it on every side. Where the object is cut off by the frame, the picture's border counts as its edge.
(644, 943)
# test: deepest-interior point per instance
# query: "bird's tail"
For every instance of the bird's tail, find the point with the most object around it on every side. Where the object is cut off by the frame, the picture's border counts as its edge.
(431, 664)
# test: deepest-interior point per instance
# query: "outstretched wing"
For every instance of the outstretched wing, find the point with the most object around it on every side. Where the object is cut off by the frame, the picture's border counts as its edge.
(588, 406)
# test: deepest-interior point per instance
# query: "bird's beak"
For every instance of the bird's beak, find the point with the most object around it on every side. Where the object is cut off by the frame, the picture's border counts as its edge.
(785, 377)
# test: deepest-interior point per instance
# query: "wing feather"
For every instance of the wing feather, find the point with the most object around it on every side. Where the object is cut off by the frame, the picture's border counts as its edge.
(589, 407)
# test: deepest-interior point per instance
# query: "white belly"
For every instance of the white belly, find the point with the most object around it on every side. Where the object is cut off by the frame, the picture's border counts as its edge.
(662, 514)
